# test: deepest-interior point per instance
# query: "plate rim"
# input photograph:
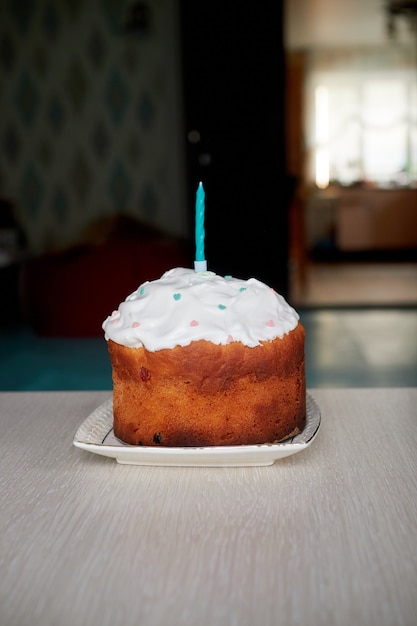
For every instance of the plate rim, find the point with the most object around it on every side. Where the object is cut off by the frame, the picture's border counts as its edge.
(243, 455)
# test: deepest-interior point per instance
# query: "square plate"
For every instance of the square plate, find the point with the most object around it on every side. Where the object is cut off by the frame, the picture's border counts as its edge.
(96, 435)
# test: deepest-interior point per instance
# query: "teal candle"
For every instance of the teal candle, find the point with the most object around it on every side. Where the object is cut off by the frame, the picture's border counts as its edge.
(199, 223)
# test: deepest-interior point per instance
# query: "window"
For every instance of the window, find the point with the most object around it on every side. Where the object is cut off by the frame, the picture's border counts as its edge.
(362, 118)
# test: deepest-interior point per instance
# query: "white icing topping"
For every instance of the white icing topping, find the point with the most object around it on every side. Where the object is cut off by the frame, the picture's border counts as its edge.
(185, 306)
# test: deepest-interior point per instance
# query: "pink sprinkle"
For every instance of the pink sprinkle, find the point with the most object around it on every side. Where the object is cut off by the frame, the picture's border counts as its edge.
(194, 323)
(229, 339)
(114, 313)
(135, 324)
(270, 323)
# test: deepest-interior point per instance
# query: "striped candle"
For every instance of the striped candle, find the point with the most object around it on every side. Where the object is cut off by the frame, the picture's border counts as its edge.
(200, 264)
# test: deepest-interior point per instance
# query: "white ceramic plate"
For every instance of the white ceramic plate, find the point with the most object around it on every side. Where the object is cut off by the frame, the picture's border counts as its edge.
(96, 435)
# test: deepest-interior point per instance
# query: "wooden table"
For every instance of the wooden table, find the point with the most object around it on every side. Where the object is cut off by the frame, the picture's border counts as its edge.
(325, 537)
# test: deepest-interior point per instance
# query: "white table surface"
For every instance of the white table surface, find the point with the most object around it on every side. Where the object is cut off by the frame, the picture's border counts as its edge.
(325, 537)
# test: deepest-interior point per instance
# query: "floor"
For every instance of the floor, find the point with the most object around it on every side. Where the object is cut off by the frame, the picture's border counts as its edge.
(361, 331)
(361, 347)
(32, 363)
(364, 284)
(344, 348)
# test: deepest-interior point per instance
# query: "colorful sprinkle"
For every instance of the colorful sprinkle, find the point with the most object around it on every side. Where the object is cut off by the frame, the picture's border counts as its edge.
(141, 291)
(221, 307)
(114, 313)
(194, 323)
(270, 323)
(242, 289)
(135, 325)
(177, 296)
(229, 339)
(228, 276)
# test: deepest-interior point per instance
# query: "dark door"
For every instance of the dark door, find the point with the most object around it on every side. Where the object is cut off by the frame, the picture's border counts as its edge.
(233, 97)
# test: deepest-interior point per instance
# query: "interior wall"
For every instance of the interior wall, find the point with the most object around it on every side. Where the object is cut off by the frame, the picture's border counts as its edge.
(91, 116)
(339, 23)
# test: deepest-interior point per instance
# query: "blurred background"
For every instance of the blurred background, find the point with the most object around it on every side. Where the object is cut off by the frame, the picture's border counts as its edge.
(300, 118)
(351, 72)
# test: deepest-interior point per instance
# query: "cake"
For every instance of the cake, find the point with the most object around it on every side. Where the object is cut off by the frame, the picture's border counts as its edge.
(204, 360)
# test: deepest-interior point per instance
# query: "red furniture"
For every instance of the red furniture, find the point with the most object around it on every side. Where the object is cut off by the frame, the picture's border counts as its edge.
(70, 293)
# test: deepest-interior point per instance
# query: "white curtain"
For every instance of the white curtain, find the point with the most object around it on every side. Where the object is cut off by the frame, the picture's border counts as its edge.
(361, 116)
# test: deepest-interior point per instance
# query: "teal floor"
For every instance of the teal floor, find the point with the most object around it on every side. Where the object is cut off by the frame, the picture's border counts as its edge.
(344, 348)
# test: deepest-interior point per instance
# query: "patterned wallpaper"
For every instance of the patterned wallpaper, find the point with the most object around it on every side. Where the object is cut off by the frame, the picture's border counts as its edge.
(90, 122)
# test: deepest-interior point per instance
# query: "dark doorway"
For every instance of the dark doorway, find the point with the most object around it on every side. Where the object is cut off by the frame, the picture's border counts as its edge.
(233, 74)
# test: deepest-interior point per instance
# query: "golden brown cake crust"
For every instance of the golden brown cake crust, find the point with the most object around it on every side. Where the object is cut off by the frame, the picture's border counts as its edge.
(205, 394)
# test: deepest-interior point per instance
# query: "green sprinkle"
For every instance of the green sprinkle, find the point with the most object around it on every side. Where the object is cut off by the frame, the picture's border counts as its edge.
(242, 289)
(177, 296)
(222, 307)
(141, 291)
(228, 276)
